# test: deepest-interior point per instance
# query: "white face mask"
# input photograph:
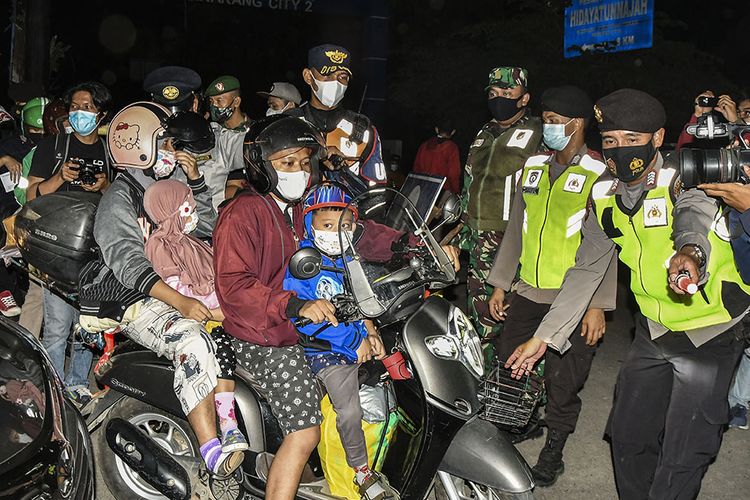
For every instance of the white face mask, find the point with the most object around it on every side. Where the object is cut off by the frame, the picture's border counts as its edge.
(165, 164)
(68, 129)
(292, 185)
(328, 241)
(329, 93)
(271, 111)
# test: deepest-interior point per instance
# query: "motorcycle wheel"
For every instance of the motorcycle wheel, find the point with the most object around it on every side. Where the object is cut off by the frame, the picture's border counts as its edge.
(172, 433)
(469, 490)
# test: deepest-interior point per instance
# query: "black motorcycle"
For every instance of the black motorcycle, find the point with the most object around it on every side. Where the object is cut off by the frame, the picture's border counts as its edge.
(45, 448)
(441, 448)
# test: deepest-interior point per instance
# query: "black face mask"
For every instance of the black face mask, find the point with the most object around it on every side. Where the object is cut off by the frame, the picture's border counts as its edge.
(503, 108)
(627, 163)
(34, 137)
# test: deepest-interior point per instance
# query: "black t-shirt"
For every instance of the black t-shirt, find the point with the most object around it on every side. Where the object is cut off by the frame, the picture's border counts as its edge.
(44, 162)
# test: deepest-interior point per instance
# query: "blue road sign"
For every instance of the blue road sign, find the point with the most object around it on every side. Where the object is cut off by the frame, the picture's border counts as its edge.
(598, 26)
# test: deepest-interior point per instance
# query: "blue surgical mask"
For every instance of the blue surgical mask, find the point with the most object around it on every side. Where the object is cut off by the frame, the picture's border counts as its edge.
(554, 135)
(83, 122)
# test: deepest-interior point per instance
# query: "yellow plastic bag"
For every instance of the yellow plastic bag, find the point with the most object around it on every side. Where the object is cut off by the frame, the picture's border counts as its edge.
(339, 475)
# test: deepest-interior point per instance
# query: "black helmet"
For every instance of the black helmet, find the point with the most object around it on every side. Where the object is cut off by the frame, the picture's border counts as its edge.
(276, 133)
(190, 131)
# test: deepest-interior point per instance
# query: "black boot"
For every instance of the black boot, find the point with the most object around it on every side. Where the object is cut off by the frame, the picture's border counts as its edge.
(550, 464)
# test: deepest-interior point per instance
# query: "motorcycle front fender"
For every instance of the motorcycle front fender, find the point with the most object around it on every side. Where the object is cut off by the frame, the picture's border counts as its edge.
(481, 453)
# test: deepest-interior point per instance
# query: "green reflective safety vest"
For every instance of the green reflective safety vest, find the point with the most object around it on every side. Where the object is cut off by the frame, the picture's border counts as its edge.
(553, 218)
(646, 247)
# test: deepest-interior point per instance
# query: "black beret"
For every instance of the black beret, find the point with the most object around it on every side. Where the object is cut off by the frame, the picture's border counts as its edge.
(170, 85)
(630, 109)
(567, 100)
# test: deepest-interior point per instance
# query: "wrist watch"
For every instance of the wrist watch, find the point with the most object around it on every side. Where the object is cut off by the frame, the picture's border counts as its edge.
(698, 252)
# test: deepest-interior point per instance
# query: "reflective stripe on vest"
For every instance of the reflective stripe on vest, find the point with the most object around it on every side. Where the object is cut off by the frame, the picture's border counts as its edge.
(646, 247)
(553, 218)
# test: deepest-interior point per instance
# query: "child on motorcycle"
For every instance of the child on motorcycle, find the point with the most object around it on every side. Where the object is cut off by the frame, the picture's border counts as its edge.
(335, 352)
(185, 263)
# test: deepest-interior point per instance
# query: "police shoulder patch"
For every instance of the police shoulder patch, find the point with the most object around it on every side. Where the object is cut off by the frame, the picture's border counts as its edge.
(477, 142)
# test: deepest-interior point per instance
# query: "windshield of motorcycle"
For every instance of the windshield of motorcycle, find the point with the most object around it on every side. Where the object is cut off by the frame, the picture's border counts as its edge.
(22, 395)
(390, 251)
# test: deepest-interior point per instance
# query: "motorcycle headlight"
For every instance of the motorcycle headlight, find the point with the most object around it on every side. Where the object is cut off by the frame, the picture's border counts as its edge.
(461, 343)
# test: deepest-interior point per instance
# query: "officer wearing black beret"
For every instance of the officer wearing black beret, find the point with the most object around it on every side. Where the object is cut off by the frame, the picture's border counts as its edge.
(543, 235)
(174, 86)
(670, 403)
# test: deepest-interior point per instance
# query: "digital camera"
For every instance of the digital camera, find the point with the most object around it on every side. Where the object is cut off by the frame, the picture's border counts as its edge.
(698, 166)
(87, 170)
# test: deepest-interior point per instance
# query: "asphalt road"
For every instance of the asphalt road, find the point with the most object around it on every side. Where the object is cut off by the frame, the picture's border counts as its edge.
(588, 464)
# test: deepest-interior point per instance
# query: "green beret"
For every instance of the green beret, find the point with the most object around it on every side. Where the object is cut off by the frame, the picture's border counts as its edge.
(629, 109)
(222, 84)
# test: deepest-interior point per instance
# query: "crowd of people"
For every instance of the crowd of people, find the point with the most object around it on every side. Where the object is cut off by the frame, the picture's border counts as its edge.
(202, 207)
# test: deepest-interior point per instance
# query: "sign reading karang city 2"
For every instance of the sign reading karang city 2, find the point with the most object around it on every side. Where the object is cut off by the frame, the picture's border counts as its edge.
(598, 26)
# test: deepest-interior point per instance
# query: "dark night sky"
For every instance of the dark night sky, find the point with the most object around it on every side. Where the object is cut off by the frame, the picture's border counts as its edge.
(439, 51)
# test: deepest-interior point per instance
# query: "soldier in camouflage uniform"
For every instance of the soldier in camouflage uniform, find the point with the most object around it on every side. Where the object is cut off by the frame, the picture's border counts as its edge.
(496, 156)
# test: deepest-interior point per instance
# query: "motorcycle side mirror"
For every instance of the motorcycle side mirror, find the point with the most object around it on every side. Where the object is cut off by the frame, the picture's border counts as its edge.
(306, 263)
(451, 209)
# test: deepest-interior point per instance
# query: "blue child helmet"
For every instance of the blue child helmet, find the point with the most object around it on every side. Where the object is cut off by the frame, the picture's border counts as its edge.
(325, 195)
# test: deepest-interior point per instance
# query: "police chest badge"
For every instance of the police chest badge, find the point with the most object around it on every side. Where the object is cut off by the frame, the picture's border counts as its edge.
(531, 182)
(574, 183)
(655, 212)
(520, 138)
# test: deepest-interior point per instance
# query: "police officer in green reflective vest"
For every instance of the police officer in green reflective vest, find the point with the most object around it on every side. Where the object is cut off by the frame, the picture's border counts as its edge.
(670, 403)
(543, 235)
(497, 154)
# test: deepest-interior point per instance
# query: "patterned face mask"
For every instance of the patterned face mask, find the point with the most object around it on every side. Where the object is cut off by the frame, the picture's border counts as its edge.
(191, 218)
(165, 164)
(328, 241)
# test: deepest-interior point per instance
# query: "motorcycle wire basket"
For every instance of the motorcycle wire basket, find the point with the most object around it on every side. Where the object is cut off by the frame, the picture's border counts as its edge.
(510, 402)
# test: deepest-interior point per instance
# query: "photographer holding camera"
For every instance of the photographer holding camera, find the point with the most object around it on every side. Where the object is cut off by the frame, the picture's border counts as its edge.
(72, 162)
(77, 161)
(721, 109)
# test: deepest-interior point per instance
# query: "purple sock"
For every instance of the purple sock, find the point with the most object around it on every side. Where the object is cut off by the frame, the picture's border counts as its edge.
(211, 452)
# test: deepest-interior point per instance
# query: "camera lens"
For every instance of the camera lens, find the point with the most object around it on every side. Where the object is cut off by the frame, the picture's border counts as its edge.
(691, 166)
(707, 165)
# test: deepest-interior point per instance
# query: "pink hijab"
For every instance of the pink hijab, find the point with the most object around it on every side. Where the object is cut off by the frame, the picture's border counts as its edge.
(172, 252)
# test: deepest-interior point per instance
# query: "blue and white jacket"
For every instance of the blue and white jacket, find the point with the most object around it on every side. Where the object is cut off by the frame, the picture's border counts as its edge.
(345, 338)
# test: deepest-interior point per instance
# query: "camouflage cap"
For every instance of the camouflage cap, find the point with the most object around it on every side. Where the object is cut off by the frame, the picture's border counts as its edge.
(507, 77)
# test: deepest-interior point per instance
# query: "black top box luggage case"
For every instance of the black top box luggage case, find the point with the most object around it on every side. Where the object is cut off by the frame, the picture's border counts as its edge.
(55, 234)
